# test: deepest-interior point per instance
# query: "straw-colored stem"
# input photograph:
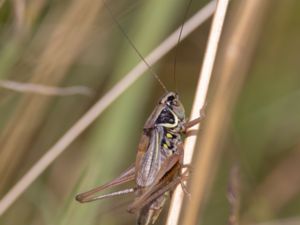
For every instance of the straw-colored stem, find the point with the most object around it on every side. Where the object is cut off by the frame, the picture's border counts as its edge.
(89, 117)
(200, 99)
(230, 72)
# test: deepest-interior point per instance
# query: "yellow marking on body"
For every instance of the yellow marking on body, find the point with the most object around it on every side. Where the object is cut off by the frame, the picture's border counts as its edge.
(169, 135)
(165, 146)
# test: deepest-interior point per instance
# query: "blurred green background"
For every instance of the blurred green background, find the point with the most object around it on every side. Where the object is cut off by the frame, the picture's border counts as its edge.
(73, 42)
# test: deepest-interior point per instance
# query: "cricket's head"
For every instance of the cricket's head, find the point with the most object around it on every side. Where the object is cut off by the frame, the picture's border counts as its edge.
(173, 105)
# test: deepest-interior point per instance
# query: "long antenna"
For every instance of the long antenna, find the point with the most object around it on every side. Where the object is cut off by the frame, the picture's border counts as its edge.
(134, 47)
(179, 38)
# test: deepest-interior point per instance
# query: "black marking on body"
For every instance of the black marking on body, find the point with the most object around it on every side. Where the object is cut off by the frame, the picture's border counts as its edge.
(171, 98)
(170, 140)
(165, 116)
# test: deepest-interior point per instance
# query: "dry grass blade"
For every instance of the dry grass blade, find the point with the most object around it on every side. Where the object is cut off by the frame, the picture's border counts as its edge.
(99, 107)
(200, 98)
(61, 50)
(230, 70)
(44, 89)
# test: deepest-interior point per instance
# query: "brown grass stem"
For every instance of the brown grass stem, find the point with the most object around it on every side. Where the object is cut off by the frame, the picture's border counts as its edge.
(230, 71)
(89, 117)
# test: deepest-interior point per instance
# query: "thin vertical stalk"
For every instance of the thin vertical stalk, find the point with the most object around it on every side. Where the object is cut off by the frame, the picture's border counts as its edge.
(200, 99)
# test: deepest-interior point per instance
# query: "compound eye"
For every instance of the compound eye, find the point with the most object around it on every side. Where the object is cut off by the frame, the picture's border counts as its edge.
(171, 98)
